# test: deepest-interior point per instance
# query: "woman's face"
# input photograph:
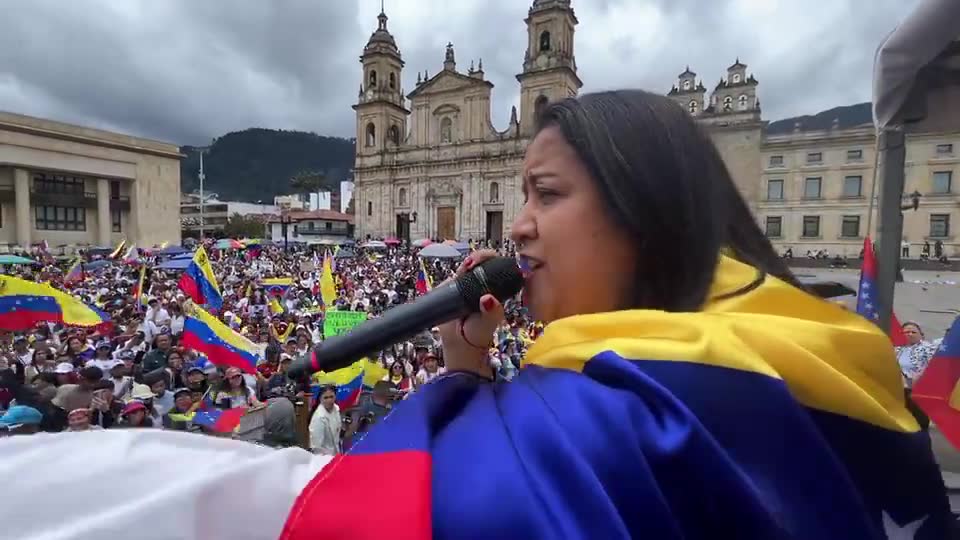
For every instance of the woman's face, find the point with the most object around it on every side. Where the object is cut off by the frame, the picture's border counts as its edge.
(396, 369)
(175, 361)
(136, 417)
(328, 399)
(236, 381)
(579, 260)
(913, 333)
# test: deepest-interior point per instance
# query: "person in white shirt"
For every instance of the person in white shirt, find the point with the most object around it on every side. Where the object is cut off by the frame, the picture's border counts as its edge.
(325, 424)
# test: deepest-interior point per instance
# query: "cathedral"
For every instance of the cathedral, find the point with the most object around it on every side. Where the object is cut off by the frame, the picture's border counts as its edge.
(430, 164)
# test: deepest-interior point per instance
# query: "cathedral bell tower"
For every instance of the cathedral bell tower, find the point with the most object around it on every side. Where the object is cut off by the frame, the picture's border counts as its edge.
(381, 111)
(549, 66)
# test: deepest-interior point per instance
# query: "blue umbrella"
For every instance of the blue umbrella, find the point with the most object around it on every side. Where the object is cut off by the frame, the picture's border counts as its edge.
(173, 250)
(175, 264)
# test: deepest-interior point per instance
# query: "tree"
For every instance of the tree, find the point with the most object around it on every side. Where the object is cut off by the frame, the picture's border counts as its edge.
(244, 227)
(311, 182)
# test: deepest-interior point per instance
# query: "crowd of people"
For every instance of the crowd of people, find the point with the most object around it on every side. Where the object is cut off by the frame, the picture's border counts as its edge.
(136, 373)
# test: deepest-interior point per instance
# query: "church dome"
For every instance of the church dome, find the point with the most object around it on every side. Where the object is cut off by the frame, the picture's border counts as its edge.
(381, 38)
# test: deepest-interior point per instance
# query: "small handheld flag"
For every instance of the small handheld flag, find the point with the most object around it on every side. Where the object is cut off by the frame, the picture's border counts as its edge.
(220, 420)
(200, 283)
(866, 302)
(937, 390)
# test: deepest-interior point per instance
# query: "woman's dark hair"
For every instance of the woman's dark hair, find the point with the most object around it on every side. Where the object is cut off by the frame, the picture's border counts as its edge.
(664, 183)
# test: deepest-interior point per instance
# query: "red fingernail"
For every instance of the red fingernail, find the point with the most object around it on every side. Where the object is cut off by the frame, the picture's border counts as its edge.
(469, 263)
(488, 303)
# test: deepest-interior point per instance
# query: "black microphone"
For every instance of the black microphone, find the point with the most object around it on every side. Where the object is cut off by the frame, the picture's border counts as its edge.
(499, 276)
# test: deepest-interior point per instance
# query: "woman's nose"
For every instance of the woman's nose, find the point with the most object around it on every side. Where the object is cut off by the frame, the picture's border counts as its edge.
(524, 226)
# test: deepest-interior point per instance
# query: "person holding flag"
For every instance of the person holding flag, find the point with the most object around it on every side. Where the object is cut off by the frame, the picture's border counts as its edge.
(200, 283)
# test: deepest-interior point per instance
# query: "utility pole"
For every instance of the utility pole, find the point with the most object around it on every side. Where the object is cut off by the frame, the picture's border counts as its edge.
(201, 177)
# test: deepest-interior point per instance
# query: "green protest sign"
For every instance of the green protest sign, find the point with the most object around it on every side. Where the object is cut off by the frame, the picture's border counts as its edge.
(341, 322)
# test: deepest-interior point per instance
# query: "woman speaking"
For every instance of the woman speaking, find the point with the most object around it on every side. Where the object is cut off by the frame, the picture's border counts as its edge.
(685, 386)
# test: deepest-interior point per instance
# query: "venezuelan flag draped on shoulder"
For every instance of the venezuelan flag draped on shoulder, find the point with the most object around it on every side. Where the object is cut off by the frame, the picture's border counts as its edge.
(205, 334)
(200, 283)
(24, 303)
(770, 414)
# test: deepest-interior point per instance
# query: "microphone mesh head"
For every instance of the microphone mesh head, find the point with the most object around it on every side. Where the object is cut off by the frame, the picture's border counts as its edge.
(499, 276)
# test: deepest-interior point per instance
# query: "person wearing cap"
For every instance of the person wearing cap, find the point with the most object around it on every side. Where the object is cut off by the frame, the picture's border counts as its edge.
(21, 420)
(122, 381)
(79, 420)
(135, 415)
(180, 417)
(234, 392)
(143, 394)
(431, 369)
(65, 373)
(103, 358)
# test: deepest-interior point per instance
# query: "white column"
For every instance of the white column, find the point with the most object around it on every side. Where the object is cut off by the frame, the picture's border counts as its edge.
(104, 223)
(21, 185)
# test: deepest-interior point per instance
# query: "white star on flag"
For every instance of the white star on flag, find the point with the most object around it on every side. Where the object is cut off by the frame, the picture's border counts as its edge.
(896, 532)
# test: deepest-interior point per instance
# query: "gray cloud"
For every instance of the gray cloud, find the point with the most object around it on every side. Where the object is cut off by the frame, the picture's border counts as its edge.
(187, 71)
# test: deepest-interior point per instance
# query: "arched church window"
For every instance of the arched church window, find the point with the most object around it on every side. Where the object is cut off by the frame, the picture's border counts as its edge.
(369, 208)
(402, 197)
(742, 102)
(446, 130)
(538, 106)
(394, 134)
(371, 134)
(545, 41)
(494, 192)
(728, 103)
(692, 107)
(686, 85)
(736, 78)
(373, 78)
(393, 81)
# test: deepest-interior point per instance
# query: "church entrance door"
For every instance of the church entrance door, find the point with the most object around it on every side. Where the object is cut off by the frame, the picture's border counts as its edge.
(403, 227)
(446, 223)
(495, 226)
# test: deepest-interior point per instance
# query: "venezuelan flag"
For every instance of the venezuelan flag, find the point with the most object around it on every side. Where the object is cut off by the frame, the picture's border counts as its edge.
(769, 414)
(277, 286)
(23, 304)
(220, 420)
(424, 284)
(205, 334)
(348, 392)
(200, 283)
(75, 273)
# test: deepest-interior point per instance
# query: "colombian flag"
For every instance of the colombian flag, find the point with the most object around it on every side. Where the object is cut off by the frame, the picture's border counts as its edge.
(23, 304)
(424, 283)
(277, 286)
(199, 282)
(205, 334)
(769, 414)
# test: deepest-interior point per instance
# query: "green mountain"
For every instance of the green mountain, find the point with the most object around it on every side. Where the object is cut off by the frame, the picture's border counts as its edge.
(257, 164)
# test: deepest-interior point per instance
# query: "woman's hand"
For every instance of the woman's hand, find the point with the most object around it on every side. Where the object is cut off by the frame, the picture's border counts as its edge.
(466, 342)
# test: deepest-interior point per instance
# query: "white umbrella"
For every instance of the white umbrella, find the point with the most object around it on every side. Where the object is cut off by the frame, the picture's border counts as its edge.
(913, 44)
(440, 251)
(374, 244)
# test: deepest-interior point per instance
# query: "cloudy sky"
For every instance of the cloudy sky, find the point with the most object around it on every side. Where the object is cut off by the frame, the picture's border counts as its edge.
(186, 71)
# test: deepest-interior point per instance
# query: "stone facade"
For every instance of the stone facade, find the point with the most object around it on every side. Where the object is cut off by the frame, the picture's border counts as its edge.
(815, 190)
(71, 185)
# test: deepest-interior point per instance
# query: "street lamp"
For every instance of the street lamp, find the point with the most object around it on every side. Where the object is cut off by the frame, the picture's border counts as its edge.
(285, 222)
(914, 201)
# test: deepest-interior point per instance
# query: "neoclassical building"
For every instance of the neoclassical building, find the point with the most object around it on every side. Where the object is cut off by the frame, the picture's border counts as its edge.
(431, 164)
